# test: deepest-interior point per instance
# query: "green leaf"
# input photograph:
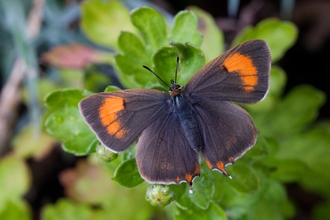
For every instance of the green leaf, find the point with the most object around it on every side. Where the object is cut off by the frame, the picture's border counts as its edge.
(244, 178)
(298, 109)
(273, 191)
(260, 149)
(213, 39)
(68, 125)
(202, 191)
(127, 174)
(66, 209)
(165, 63)
(111, 88)
(102, 21)
(290, 170)
(179, 190)
(271, 202)
(136, 53)
(152, 28)
(16, 209)
(130, 61)
(311, 147)
(268, 202)
(319, 185)
(321, 211)
(185, 29)
(15, 179)
(83, 146)
(65, 122)
(277, 81)
(65, 98)
(280, 36)
(95, 81)
(192, 59)
(92, 147)
(132, 46)
(214, 211)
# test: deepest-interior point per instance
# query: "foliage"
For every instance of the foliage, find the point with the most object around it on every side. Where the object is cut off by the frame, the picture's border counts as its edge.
(291, 147)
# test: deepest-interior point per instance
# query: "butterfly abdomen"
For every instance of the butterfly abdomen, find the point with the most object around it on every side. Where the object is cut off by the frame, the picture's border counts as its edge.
(188, 122)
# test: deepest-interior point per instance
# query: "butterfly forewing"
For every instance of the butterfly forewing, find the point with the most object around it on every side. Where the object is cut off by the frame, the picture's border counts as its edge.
(240, 75)
(118, 118)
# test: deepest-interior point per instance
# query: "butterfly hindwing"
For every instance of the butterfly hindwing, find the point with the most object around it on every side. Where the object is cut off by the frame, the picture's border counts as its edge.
(240, 75)
(164, 155)
(118, 118)
(227, 130)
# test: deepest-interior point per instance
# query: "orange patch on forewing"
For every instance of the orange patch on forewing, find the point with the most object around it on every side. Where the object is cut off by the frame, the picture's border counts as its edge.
(108, 113)
(119, 134)
(245, 68)
(230, 159)
(109, 108)
(177, 179)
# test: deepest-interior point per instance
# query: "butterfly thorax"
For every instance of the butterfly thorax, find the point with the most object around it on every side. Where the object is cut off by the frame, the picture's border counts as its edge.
(186, 116)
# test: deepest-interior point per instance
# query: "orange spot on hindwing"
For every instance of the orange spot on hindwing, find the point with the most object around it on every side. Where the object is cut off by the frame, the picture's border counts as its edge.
(197, 170)
(231, 159)
(108, 113)
(189, 178)
(208, 163)
(221, 167)
(244, 66)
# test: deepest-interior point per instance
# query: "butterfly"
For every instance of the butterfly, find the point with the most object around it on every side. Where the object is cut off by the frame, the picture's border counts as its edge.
(200, 118)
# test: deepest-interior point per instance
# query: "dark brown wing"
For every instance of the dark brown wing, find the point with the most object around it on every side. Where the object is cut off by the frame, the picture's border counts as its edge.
(164, 155)
(118, 118)
(228, 132)
(240, 75)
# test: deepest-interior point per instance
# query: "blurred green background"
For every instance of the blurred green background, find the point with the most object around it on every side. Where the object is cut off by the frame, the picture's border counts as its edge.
(54, 53)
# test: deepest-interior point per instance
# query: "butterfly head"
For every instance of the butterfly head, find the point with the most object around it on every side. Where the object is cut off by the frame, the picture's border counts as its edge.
(175, 89)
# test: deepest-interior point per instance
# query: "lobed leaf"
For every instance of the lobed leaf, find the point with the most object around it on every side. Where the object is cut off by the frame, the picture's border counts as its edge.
(185, 29)
(213, 39)
(151, 26)
(298, 109)
(127, 174)
(102, 21)
(214, 211)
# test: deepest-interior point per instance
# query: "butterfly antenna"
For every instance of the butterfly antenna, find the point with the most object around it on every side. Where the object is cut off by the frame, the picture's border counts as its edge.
(156, 75)
(176, 68)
